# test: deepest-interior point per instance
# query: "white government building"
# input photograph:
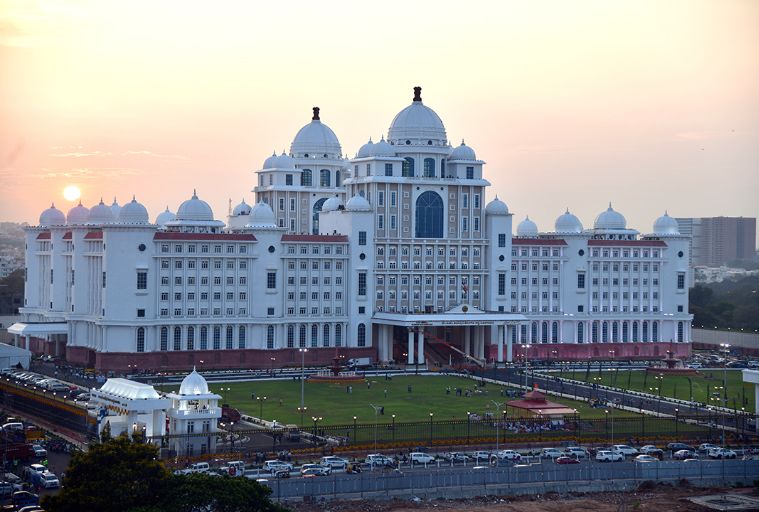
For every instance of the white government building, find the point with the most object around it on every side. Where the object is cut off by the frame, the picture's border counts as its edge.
(394, 254)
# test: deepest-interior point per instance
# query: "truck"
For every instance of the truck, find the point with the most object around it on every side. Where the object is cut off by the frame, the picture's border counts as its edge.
(360, 362)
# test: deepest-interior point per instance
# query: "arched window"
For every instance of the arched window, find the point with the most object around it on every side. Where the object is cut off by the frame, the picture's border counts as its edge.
(302, 336)
(555, 332)
(290, 336)
(306, 178)
(523, 333)
(190, 338)
(654, 331)
(407, 170)
(442, 168)
(580, 332)
(337, 179)
(680, 331)
(314, 335)
(605, 332)
(645, 331)
(325, 178)
(229, 338)
(269, 336)
(635, 332)
(534, 337)
(164, 338)
(140, 339)
(241, 337)
(204, 338)
(544, 333)
(614, 331)
(315, 218)
(338, 335)
(177, 338)
(594, 332)
(625, 332)
(429, 215)
(429, 167)
(325, 335)
(361, 336)
(216, 337)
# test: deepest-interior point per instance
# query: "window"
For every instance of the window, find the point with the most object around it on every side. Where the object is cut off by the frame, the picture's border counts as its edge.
(407, 171)
(103, 279)
(288, 179)
(142, 279)
(325, 335)
(271, 280)
(164, 338)
(680, 281)
(229, 337)
(381, 198)
(581, 280)
(580, 332)
(501, 283)
(362, 238)
(269, 336)
(501, 240)
(217, 337)
(140, 313)
(361, 335)
(305, 178)
(429, 168)
(140, 339)
(361, 284)
(388, 169)
(470, 173)
(325, 178)
(315, 215)
(429, 215)
(302, 336)
(177, 338)
(204, 338)
(190, 338)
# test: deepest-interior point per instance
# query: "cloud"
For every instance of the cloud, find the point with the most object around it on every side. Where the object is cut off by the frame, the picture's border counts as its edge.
(81, 154)
(85, 173)
(145, 152)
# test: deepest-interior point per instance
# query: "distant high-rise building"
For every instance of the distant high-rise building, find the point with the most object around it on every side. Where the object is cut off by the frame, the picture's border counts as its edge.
(719, 240)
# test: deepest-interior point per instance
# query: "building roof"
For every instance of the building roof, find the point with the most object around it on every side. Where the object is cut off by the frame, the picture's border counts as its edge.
(326, 239)
(94, 235)
(537, 241)
(45, 235)
(626, 243)
(222, 237)
(38, 329)
(67, 235)
(129, 389)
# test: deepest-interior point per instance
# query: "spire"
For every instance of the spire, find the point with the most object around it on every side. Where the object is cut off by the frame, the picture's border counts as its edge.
(194, 194)
(316, 114)
(462, 142)
(567, 210)
(101, 200)
(417, 93)
(114, 200)
(610, 208)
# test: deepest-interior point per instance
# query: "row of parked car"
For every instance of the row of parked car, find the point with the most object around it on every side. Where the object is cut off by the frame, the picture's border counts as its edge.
(47, 383)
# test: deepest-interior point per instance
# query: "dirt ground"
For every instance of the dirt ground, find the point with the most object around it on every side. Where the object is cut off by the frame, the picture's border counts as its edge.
(658, 499)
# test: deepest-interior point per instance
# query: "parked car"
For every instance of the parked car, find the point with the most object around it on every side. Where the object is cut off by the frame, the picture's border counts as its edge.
(39, 451)
(255, 474)
(24, 498)
(684, 454)
(377, 459)
(456, 457)
(334, 462)
(274, 465)
(673, 447)
(481, 455)
(49, 480)
(609, 456)
(421, 458)
(624, 449)
(705, 447)
(577, 452)
(566, 459)
(282, 473)
(313, 472)
(646, 458)
(550, 453)
(721, 453)
(508, 455)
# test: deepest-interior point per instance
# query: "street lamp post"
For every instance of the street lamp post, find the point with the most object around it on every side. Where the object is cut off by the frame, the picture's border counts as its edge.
(261, 401)
(315, 419)
(497, 421)
(376, 413)
(393, 427)
(302, 407)
(677, 421)
(355, 418)
(526, 350)
(726, 350)
(468, 423)
(431, 414)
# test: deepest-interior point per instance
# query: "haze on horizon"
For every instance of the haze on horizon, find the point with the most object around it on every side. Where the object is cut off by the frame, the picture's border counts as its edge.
(650, 105)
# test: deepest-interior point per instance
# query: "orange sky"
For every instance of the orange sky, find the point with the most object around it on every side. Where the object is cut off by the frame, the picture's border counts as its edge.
(648, 104)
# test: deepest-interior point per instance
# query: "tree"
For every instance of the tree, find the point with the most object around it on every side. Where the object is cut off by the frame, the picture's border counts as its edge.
(119, 475)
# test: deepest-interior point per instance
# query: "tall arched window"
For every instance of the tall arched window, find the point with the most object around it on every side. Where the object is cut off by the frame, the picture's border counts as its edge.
(523, 333)
(654, 331)
(534, 333)
(216, 337)
(635, 332)
(229, 338)
(513, 335)
(361, 336)
(625, 332)
(442, 168)
(338, 335)
(407, 170)
(241, 337)
(605, 332)
(164, 338)
(337, 178)
(190, 338)
(314, 335)
(645, 330)
(315, 218)
(290, 336)
(429, 215)
(140, 339)
(177, 338)
(325, 178)
(204, 338)
(580, 332)
(555, 332)
(325, 335)
(544, 333)
(269, 336)
(306, 178)
(594, 332)
(302, 336)
(429, 167)
(614, 331)
(680, 331)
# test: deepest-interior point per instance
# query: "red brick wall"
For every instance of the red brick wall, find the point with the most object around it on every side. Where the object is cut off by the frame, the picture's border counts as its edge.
(596, 351)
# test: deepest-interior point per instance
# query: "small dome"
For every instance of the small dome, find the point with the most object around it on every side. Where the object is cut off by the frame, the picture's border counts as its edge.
(165, 216)
(462, 152)
(101, 214)
(52, 217)
(496, 207)
(610, 219)
(568, 223)
(195, 209)
(358, 203)
(133, 213)
(284, 162)
(366, 150)
(78, 215)
(115, 208)
(316, 139)
(383, 149)
(241, 209)
(271, 162)
(666, 225)
(331, 204)
(416, 121)
(193, 384)
(527, 228)
(261, 215)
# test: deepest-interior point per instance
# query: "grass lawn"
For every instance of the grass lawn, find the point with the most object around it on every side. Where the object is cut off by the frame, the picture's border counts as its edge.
(739, 394)
(336, 406)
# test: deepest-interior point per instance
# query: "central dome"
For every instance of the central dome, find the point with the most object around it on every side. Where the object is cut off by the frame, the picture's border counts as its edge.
(193, 384)
(195, 209)
(416, 121)
(610, 219)
(316, 139)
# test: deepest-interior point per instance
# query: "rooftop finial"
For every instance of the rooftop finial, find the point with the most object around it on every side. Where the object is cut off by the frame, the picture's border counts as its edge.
(610, 208)
(567, 209)
(194, 193)
(316, 114)
(417, 93)
(462, 142)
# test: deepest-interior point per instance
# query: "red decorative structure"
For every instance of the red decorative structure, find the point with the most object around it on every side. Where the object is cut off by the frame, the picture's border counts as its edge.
(534, 403)
(335, 374)
(672, 366)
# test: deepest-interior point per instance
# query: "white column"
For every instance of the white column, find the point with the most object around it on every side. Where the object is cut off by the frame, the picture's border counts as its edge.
(420, 349)
(481, 342)
(389, 342)
(498, 334)
(509, 347)
(411, 346)
(468, 340)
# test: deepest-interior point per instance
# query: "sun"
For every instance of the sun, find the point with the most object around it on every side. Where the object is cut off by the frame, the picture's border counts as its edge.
(72, 193)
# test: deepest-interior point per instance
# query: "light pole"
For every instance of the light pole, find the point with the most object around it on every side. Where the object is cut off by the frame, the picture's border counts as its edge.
(315, 419)
(526, 350)
(261, 400)
(468, 423)
(677, 420)
(376, 413)
(497, 421)
(431, 429)
(302, 407)
(393, 427)
(726, 350)
(272, 359)
(612, 423)
(222, 393)
(355, 418)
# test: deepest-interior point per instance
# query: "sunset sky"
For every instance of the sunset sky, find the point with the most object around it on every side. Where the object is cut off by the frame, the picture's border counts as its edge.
(652, 105)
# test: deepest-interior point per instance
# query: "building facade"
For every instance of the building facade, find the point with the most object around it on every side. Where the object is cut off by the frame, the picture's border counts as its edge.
(717, 241)
(395, 254)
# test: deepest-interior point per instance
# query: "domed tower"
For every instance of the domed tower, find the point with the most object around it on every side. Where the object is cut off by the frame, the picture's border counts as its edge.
(194, 215)
(193, 409)
(297, 184)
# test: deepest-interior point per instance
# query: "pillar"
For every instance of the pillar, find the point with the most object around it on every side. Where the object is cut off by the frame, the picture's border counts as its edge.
(420, 347)
(481, 342)
(498, 335)
(411, 346)
(509, 347)
(468, 340)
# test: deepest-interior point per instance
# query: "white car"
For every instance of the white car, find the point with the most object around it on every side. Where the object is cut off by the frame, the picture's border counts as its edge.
(273, 466)
(508, 455)
(377, 459)
(577, 452)
(324, 469)
(624, 449)
(39, 451)
(609, 456)
(481, 455)
(550, 453)
(645, 458)
(333, 462)
(722, 453)
(421, 458)
(705, 447)
(49, 480)
(648, 449)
